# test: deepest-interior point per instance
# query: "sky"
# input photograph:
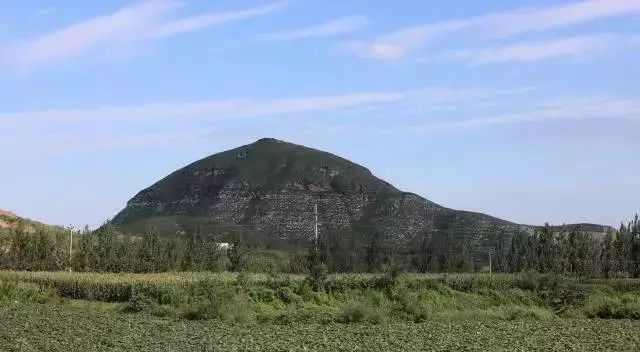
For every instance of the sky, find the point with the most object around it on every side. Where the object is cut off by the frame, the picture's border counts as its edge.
(528, 110)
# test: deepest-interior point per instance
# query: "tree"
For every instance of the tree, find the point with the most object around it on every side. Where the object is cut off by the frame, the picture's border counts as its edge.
(634, 229)
(464, 262)
(424, 257)
(149, 254)
(317, 268)
(547, 256)
(105, 249)
(238, 253)
(374, 254)
(622, 245)
(500, 258)
(516, 253)
(211, 253)
(607, 255)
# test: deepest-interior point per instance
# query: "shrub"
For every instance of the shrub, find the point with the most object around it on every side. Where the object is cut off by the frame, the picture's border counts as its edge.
(219, 303)
(526, 313)
(286, 295)
(161, 310)
(262, 295)
(26, 292)
(138, 302)
(609, 306)
(359, 312)
(411, 307)
(237, 310)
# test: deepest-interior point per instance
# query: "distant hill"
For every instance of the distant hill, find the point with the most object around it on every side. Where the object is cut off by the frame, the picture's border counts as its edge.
(270, 189)
(10, 221)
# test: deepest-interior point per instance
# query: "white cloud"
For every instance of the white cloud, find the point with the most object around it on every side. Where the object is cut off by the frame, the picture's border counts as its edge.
(336, 27)
(242, 108)
(65, 131)
(577, 46)
(575, 109)
(404, 42)
(193, 23)
(233, 108)
(125, 27)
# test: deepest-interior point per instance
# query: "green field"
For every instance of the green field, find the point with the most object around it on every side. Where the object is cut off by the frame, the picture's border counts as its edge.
(62, 328)
(58, 311)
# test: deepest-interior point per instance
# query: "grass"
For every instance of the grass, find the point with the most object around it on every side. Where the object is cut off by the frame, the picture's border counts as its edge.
(348, 298)
(69, 328)
(224, 311)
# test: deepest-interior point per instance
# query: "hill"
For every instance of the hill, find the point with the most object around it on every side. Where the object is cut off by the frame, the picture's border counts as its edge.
(10, 221)
(270, 189)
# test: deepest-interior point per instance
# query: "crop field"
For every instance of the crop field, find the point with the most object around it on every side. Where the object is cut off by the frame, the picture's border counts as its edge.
(59, 311)
(63, 328)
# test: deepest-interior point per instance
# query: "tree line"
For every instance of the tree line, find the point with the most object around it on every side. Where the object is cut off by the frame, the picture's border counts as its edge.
(106, 250)
(572, 251)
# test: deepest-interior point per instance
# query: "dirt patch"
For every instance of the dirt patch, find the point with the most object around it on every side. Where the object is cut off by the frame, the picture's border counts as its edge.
(4, 216)
(7, 213)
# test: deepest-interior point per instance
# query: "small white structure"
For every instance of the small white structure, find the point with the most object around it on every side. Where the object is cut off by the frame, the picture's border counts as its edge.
(223, 245)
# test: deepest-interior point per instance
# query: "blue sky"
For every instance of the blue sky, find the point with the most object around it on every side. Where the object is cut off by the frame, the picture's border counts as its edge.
(528, 110)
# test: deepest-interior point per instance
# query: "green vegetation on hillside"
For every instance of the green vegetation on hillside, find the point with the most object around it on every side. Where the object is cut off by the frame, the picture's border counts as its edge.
(270, 188)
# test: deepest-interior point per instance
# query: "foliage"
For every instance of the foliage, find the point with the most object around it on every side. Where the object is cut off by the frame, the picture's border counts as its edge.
(285, 299)
(566, 251)
(613, 306)
(27, 327)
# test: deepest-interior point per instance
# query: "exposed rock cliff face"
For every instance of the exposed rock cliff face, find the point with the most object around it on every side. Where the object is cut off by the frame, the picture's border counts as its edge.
(273, 187)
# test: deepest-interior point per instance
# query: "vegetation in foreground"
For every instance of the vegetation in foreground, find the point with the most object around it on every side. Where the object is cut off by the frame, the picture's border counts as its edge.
(56, 328)
(344, 298)
(58, 311)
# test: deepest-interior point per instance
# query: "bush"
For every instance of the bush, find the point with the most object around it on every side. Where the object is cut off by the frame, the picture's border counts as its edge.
(286, 295)
(26, 292)
(359, 312)
(526, 313)
(237, 310)
(138, 302)
(411, 307)
(609, 306)
(304, 314)
(211, 301)
(262, 295)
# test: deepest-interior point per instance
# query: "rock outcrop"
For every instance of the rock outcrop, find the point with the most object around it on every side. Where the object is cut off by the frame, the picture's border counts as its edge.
(272, 188)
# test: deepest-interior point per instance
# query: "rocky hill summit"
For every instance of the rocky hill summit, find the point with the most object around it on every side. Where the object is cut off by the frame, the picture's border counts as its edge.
(272, 188)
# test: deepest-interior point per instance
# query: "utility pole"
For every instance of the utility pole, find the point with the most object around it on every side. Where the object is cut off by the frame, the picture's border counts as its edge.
(316, 227)
(490, 261)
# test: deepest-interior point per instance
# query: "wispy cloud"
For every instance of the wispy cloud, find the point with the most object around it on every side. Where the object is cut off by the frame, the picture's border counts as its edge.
(335, 27)
(402, 43)
(577, 46)
(122, 127)
(193, 23)
(243, 108)
(575, 109)
(215, 109)
(130, 25)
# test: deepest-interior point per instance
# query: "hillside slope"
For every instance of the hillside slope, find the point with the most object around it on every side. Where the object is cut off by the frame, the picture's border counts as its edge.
(10, 221)
(270, 188)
